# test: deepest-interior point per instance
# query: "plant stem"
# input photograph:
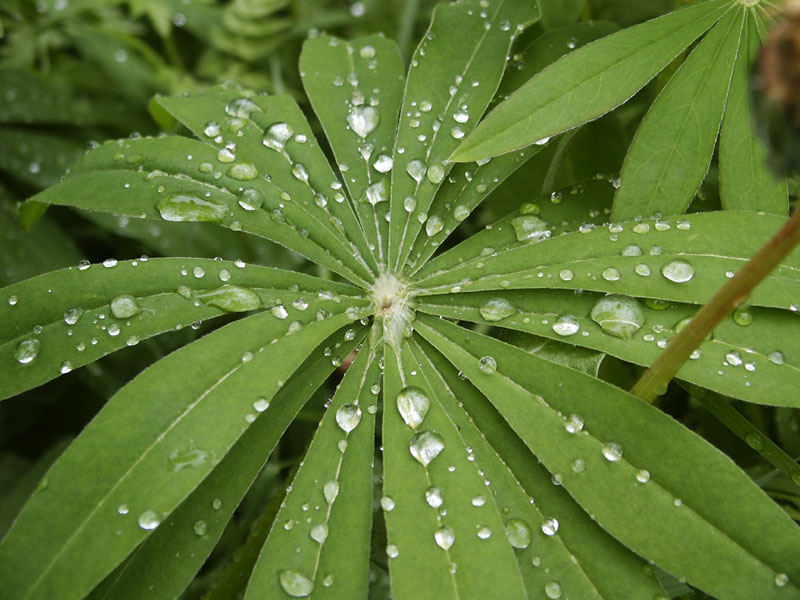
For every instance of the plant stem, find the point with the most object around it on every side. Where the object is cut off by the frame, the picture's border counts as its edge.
(677, 352)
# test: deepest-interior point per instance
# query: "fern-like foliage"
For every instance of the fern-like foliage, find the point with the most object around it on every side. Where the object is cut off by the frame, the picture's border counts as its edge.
(505, 473)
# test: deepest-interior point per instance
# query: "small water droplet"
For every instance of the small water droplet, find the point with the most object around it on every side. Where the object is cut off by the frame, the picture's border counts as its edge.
(299, 171)
(200, 527)
(566, 326)
(642, 475)
(573, 423)
(377, 192)
(518, 533)
(445, 537)
(319, 533)
(566, 275)
(435, 173)
(620, 316)
(348, 417)
(678, 271)
(553, 590)
(392, 551)
(330, 490)
(123, 509)
(742, 317)
(612, 451)
(478, 500)
(72, 315)
(578, 465)
(277, 135)
(484, 533)
(27, 350)
(231, 298)
(413, 405)
(426, 446)
(497, 309)
(383, 164)
(434, 496)
(777, 357)
(417, 170)
(243, 171)
(434, 225)
(124, 307)
(149, 519)
(261, 405)
(295, 583)
(387, 503)
(755, 441)
(781, 579)
(611, 274)
(550, 526)
(487, 364)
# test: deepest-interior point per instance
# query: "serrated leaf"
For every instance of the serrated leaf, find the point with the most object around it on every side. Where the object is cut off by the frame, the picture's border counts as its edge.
(753, 355)
(745, 181)
(433, 118)
(433, 528)
(327, 513)
(672, 148)
(684, 260)
(589, 82)
(148, 449)
(57, 322)
(356, 89)
(713, 504)
(197, 524)
(525, 490)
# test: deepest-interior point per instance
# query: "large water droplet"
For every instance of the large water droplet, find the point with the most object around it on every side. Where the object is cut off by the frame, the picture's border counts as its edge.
(612, 451)
(530, 228)
(487, 364)
(243, 171)
(445, 537)
(377, 192)
(425, 446)
(417, 170)
(319, 533)
(149, 519)
(434, 496)
(497, 309)
(330, 490)
(383, 164)
(363, 120)
(185, 207)
(27, 350)
(413, 405)
(678, 271)
(72, 315)
(620, 316)
(518, 533)
(231, 298)
(566, 325)
(299, 171)
(434, 225)
(435, 173)
(124, 307)
(295, 583)
(573, 423)
(348, 417)
(251, 199)
(277, 135)
(553, 590)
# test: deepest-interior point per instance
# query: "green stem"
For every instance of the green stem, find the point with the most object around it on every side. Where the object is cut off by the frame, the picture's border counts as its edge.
(677, 352)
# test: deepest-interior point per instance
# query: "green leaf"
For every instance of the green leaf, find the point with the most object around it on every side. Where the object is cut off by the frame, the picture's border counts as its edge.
(153, 443)
(739, 540)
(327, 512)
(557, 13)
(57, 322)
(197, 524)
(754, 355)
(469, 184)
(525, 491)
(433, 118)
(589, 82)
(745, 181)
(356, 89)
(689, 247)
(672, 149)
(430, 486)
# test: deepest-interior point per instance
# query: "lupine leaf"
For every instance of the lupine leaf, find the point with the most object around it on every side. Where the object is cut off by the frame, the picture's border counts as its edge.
(57, 322)
(655, 512)
(148, 449)
(589, 82)
(329, 505)
(672, 149)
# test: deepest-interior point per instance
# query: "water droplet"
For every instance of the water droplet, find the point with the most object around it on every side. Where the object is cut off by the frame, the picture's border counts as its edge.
(781, 579)
(184, 207)
(261, 405)
(642, 270)
(387, 503)
(124, 307)
(487, 364)
(417, 170)
(742, 317)
(733, 358)
(461, 212)
(777, 357)
(611, 274)
(550, 526)
(620, 316)
(377, 192)
(72, 315)
(497, 309)
(445, 537)
(392, 551)
(484, 533)
(122, 509)
(66, 367)
(566, 325)
(327, 581)
(434, 225)
(552, 588)
(200, 527)
(27, 350)
(425, 446)
(330, 490)
(383, 164)
(435, 173)
(363, 120)
(243, 171)
(241, 108)
(279, 312)
(434, 496)
(413, 405)
(348, 417)
(409, 204)
(277, 135)
(573, 423)
(678, 271)
(566, 275)
(226, 155)
(518, 533)
(612, 451)
(212, 129)
(216, 504)
(231, 298)
(578, 465)
(189, 457)
(642, 475)
(295, 583)
(755, 441)
(299, 171)
(479, 500)
(319, 533)
(149, 519)
(530, 228)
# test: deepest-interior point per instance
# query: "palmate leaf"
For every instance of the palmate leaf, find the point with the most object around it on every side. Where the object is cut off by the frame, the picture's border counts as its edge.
(484, 492)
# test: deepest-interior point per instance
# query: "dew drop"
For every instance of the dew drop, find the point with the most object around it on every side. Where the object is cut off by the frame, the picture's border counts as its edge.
(319, 533)
(377, 192)
(566, 275)
(573, 423)
(612, 451)
(611, 274)
(566, 326)
(200, 528)
(149, 519)
(363, 120)
(243, 171)
(231, 298)
(426, 446)
(518, 533)
(742, 317)
(642, 475)
(434, 225)
(72, 315)
(553, 590)
(295, 583)
(417, 170)
(261, 405)
(478, 500)
(487, 364)
(124, 307)
(27, 350)
(678, 271)
(550, 526)
(435, 173)
(387, 503)
(392, 551)
(484, 533)
(530, 228)
(348, 417)
(277, 135)
(445, 537)
(184, 207)
(781, 579)
(330, 490)
(413, 405)
(497, 309)
(620, 316)
(383, 164)
(434, 496)
(299, 171)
